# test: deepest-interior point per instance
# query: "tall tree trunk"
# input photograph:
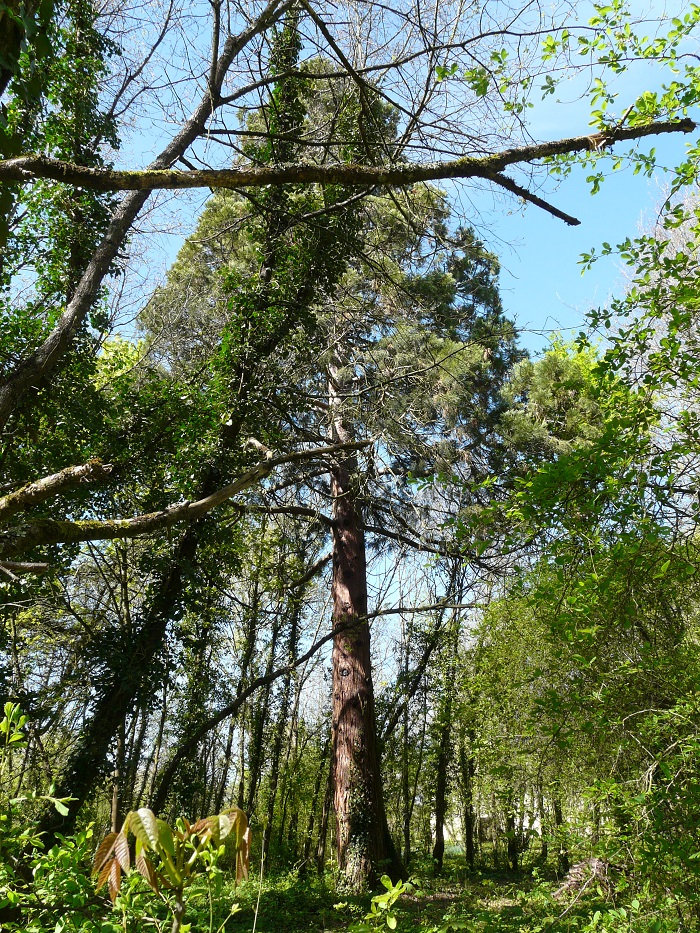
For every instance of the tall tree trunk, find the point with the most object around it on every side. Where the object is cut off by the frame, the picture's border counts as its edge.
(117, 778)
(246, 655)
(288, 835)
(406, 797)
(595, 834)
(221, 792)
(240, 800)
(259, 722)
(323, 828)
(135, 757)
(362, 832)
(467, 768)
(444, 746)
(441, 790)
(154, 758)
(544, 825)
(511, 837)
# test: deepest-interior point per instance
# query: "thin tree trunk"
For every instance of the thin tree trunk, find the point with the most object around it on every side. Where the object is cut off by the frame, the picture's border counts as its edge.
(155, 755)
(314, 800)
(241, 758)
(441, 794)
(221, 792)
(405, 792)
(511, 838)
(178, 913)
(563, 862)
(279, 735)
(135, 754)
(260, 716)
(467, 767)
(595, 835)
(419, 766)
(444, 750)
(116, 779)
(323, 828)
(544, 827)
(494, 831)
(290, 763)
(248, 648)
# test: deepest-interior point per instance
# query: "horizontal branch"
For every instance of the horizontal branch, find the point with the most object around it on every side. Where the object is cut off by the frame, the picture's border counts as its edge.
(314, 569)
(296, 511)
(417, 543)
(54, 531)
(430, 607)
(27, 168)
(12, 568)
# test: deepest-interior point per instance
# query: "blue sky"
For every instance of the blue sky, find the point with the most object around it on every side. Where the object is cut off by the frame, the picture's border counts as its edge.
(542, 284)
(541, 281)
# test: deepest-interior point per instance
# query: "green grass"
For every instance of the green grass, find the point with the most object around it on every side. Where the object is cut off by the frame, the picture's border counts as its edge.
(476, 902)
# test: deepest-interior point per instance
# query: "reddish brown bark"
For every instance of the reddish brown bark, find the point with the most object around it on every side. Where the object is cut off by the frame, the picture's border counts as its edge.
(364, 844)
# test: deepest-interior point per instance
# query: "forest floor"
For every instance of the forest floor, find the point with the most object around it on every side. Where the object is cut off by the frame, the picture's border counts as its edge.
(486, 901)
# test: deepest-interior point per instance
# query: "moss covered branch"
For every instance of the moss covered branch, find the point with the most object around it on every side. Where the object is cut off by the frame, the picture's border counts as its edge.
(27, 168)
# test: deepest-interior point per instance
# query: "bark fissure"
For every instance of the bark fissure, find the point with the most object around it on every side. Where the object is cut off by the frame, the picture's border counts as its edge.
(364, 844)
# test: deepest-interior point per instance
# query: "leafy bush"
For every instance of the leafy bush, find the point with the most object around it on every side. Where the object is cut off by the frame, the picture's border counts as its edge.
(170, 860)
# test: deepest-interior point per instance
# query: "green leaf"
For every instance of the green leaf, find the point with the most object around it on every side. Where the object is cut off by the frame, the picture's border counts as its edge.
(144, 826)
(60, 806)
(165, 837)
(662, 569)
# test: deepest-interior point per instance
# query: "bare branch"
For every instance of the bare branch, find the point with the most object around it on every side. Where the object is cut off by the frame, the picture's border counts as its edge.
(13, 567)
(429, 607)
(515, 188)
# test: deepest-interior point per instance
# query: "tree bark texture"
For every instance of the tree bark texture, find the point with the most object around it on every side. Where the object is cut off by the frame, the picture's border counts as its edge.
(363, 841)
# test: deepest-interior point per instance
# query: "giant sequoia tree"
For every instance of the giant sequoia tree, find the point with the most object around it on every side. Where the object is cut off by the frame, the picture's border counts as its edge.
(411, 351)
